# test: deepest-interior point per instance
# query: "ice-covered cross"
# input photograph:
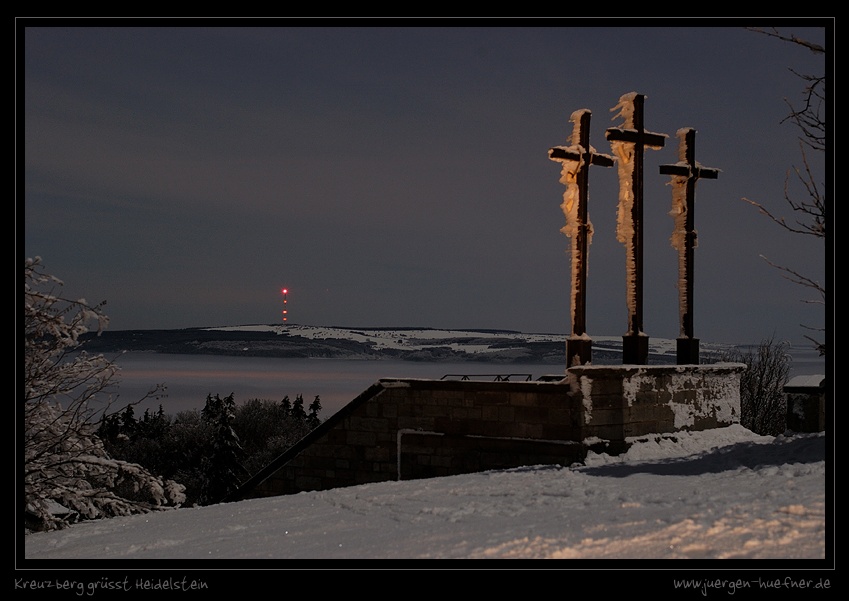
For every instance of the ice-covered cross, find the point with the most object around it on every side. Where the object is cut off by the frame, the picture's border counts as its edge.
(684, 174)
(628, 144)
(576, 160)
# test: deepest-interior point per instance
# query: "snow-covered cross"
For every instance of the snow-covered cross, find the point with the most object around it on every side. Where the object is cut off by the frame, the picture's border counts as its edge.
(684, 174)
(629, 143)
(576, 160)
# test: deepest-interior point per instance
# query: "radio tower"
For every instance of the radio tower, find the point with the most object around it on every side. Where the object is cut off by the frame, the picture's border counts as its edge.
(285, 292)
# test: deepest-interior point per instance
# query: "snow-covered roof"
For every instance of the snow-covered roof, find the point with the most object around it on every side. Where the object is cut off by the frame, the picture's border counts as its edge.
(805, 381)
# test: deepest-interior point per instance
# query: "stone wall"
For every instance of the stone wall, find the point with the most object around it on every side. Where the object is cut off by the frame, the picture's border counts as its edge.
(626, 401)
(805, 403)
(402, 429)
(409, 428)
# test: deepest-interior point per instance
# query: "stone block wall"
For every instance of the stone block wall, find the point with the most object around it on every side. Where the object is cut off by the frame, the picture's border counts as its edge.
(619, 402)
(405, 429)
(402, 429)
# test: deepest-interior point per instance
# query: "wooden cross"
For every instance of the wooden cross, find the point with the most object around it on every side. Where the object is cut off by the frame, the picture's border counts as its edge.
(576, 160)
(685, 174)
(635, 344)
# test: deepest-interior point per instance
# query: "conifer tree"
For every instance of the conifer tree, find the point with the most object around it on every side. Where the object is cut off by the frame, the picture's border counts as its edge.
(223, 470)
(298, 413)
(315, 407)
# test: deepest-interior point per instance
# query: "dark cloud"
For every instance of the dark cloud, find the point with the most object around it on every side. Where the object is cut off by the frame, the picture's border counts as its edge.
(399, 175)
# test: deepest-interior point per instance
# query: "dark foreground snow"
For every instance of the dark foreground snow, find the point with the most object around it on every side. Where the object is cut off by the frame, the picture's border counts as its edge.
(720, 494)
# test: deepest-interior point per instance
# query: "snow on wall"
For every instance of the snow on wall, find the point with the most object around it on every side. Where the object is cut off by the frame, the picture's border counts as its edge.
(796, 408)
(805, 380)
(716, 390)
(718, 397)
(587, 399)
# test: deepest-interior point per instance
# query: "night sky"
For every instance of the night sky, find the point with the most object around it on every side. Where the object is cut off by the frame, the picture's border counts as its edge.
(394, 176)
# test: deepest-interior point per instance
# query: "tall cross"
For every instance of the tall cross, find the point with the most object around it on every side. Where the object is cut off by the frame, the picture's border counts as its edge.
(629, 144)
(576, 160)
(685, 174)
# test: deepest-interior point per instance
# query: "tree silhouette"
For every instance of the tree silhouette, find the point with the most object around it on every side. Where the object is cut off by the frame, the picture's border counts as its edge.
(315, 408)
(222, 469)
(809, 118)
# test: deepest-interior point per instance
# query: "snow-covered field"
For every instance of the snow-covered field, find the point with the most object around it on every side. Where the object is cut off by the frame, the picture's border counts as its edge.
(720, 494)
(473, 342)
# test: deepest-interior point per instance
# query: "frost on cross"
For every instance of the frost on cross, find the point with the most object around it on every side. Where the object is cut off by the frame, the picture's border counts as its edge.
(569, 178)
(678, 212)
(684, 175)
(571, 198)
(575, 161)
(625, 152)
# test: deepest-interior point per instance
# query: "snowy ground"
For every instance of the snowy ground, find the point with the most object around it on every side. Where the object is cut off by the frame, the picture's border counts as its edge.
(720, 494)
(748, 512)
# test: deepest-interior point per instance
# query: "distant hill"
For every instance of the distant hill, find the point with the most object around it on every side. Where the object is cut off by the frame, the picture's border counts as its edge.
(410, 344)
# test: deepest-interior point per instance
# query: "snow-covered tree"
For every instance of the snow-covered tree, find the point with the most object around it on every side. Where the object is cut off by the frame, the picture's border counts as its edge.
(67, 473)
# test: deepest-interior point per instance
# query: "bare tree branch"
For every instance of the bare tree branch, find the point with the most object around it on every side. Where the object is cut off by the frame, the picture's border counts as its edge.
(801, 280)
(797, 278)
(812, 207)
(811, 212)
(774, 33)
(809, 117)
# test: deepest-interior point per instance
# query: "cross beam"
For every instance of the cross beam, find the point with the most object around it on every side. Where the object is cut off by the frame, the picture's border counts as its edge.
(576, 160)
(635, 344)
(685, 174)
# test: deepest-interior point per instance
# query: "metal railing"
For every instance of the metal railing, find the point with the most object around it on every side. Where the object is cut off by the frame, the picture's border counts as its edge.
(495, 377)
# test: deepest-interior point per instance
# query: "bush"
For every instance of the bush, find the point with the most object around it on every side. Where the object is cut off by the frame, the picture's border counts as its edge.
(762, 398)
